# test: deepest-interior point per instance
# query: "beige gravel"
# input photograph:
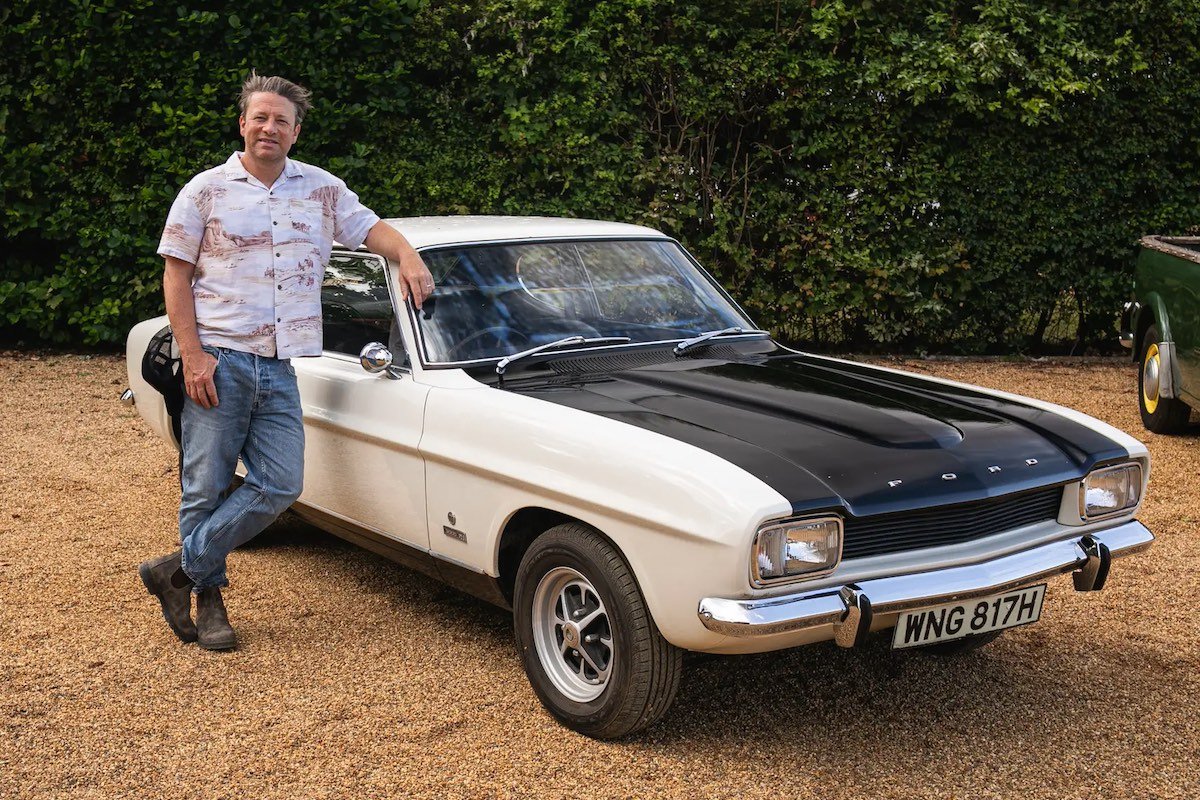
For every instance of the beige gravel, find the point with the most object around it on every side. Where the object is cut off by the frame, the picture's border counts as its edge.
(357, 678)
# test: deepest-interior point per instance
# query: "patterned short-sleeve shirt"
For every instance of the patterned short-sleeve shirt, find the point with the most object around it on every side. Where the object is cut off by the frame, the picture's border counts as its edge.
(260, 253)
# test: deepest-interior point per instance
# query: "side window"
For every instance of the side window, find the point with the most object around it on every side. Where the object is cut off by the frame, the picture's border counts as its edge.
(356, 307)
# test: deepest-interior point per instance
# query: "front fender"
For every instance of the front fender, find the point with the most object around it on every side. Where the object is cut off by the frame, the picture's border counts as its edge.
(682, 517)
(1153, 311)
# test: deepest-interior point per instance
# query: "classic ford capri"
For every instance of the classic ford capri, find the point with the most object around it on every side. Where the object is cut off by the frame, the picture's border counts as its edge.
(583, 427)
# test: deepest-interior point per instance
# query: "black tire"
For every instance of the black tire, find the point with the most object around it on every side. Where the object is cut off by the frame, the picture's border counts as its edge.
(1159, 414)
(958, 647)
(641, 670)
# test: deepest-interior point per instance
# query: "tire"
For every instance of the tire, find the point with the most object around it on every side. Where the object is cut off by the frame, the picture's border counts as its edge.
(630, 674)
(1159, 414)
(958, 647)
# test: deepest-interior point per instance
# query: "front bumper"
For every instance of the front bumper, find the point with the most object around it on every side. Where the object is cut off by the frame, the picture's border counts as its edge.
(851, 609)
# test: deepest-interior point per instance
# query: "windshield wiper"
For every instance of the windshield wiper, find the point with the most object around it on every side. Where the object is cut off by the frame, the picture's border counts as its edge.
(688, 344)
(503, 363)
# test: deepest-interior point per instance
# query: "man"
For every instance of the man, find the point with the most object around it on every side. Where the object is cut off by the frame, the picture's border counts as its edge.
(246, 245)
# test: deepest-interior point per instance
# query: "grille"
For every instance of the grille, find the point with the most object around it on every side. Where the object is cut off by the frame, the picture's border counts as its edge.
(934, 527)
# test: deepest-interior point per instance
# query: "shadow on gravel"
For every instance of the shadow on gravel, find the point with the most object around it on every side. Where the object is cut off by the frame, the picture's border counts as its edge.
(898, 705)
(412, 592)
(291, 531)
(873, 699)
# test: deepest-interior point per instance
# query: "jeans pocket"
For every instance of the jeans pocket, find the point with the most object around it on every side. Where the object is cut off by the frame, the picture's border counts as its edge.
(215, 352)
(287, 365)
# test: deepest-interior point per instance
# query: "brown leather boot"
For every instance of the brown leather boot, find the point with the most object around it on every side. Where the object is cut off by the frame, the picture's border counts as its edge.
(212, 624)
(164, 578)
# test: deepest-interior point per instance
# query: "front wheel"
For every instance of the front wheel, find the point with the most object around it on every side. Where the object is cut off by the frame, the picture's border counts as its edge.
(593, 655)
(1159, 414)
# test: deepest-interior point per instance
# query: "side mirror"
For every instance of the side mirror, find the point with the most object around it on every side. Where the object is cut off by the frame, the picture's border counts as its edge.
(376, 358)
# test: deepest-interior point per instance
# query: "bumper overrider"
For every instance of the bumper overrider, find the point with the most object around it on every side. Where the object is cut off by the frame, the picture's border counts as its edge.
(851, 608)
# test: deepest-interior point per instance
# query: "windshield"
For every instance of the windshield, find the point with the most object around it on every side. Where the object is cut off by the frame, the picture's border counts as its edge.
(495, 300)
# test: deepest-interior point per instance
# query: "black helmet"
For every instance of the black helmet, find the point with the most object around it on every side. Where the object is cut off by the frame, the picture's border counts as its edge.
(162, 368)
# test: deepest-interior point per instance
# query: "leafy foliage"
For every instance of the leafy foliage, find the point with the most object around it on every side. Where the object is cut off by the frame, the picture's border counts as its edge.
(881, 175)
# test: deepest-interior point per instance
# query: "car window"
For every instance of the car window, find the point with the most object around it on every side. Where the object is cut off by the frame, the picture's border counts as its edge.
(553, 274)
(495, 300)
(356, 308)
(636, 284)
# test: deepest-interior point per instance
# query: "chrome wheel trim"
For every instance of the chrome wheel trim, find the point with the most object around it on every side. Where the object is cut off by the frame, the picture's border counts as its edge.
(572, 635)
(1150, 378)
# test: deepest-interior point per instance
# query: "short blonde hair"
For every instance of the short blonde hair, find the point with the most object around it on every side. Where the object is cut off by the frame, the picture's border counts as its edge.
(300, 97)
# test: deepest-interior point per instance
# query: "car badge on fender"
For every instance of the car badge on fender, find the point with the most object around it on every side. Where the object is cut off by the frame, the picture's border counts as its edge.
(949, 476)
(895, 483)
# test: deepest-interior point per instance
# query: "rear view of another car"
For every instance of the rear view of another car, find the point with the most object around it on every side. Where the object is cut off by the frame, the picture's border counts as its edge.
(1162, 328)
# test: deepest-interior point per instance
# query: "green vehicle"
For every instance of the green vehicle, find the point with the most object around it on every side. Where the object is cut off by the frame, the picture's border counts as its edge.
(1162, 328)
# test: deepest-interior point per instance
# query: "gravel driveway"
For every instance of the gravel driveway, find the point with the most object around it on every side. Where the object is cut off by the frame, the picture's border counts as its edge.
(357, 678)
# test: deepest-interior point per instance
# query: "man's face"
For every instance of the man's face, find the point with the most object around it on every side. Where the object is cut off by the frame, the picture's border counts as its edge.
(269, 126)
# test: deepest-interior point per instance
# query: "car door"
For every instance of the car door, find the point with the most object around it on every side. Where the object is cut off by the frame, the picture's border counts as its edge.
(1181, 293)
(362, 430)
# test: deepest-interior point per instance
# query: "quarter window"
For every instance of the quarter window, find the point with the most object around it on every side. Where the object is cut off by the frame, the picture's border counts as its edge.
(356, 307)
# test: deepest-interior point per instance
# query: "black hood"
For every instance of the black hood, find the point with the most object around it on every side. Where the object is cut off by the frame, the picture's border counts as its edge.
(825, 433)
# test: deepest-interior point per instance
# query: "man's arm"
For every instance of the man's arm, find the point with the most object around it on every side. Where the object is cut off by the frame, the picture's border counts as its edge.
(414, 275)
(198, 366)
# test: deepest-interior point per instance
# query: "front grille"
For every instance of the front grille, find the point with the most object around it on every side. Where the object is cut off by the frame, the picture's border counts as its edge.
(934, 527)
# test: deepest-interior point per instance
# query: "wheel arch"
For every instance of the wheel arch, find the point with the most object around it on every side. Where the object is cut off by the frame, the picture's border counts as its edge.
(520, 531)
(1153, 311)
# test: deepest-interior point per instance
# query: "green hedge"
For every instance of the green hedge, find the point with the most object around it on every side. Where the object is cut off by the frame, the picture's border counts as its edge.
(967, 177)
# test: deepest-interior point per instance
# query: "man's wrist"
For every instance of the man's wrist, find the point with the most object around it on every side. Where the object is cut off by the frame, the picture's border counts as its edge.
(189, 349)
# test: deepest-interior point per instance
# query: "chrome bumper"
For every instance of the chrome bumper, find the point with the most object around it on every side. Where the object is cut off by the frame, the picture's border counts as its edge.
(850, 608)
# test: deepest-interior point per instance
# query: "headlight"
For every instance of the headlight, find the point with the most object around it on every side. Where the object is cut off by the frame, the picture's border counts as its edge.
(796, 547)
(1110, 490)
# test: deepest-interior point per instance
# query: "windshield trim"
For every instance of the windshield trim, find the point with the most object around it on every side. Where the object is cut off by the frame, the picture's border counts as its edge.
(426, 363)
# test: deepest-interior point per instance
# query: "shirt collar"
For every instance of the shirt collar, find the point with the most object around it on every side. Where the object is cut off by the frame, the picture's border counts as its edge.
(234, 171)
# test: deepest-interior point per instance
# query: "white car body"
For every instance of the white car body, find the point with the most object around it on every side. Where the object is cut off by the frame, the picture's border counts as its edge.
(431, 465)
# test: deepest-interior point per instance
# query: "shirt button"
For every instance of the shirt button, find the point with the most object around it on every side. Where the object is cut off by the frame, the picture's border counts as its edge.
(277, 255)
(280, 286)
(274, 222)
(279, 319)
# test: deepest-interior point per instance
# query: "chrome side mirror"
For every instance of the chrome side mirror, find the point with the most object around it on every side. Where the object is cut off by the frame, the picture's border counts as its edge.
(376, 358)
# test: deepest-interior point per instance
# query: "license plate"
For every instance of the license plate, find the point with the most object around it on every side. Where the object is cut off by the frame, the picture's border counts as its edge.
(957, 620)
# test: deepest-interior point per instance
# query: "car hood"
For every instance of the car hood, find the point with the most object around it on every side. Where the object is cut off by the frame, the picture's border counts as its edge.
(823, 432)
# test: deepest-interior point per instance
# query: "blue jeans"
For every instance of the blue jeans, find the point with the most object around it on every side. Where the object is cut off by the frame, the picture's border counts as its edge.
(257, 416)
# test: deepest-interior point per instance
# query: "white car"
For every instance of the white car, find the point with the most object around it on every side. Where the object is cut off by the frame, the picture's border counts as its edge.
(582, 426)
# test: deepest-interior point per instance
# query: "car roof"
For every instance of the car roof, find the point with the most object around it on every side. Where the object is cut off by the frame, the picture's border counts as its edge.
(433, 231)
